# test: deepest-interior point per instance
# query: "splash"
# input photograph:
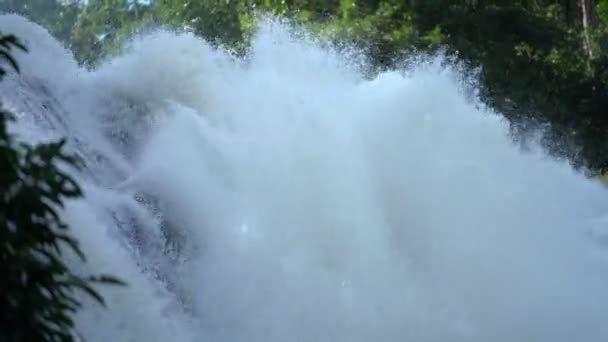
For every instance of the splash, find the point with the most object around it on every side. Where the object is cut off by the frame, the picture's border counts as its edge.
(287, 197)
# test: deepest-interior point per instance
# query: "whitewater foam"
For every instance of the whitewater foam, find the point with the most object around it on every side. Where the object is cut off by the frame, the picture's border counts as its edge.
(286, 197)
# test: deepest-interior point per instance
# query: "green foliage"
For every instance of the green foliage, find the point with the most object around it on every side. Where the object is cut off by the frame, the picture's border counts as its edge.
(541, 66)
(58, 16)
(7, 42)
(217, 21)
(601, 9)
(38, 291)
(103, 23)
(535, 70)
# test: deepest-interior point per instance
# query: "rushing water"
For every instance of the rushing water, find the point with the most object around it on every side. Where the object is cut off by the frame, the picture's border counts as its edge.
(286, 197)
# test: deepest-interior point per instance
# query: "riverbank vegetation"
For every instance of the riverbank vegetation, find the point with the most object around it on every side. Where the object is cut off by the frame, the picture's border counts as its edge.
(542, 64)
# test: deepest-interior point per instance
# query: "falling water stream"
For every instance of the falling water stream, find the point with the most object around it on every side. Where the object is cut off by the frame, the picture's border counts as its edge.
(286, 196)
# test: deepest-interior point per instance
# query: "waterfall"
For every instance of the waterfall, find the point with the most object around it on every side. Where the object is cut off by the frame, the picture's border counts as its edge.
(288, 196)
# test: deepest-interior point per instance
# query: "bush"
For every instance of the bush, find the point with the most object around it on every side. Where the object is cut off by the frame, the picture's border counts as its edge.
(38, 292)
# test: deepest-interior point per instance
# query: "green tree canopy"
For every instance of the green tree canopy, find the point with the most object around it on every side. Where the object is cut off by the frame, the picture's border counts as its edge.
(543, 63)
(58, 16)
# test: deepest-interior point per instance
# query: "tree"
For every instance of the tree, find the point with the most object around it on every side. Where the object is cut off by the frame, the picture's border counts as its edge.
(534, 69)
(38, 290)
(57, 16)
(543, 62)
(102, 24)
(217, 20)
(586, 19)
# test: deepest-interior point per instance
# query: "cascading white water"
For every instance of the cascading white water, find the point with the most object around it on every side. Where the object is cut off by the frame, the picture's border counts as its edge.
(285, 197)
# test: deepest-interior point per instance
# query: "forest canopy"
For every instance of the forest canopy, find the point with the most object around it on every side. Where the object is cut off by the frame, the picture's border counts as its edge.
(543, 64)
